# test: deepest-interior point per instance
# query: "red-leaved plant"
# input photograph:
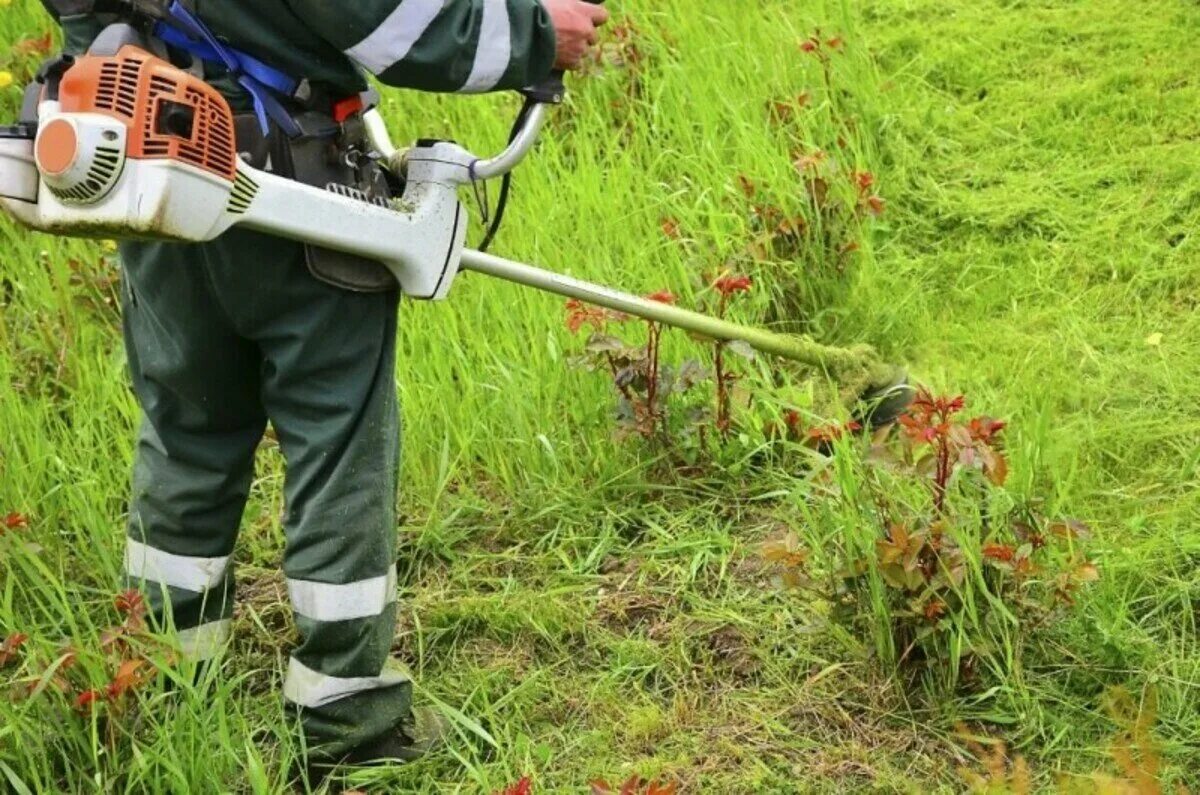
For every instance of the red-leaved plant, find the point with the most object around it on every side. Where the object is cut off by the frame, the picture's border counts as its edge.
(943, 568)
(727, 287)
(643, 382)
(804, 230)
(941, 440)
(636, 370)
(817, 437)
(123, 649)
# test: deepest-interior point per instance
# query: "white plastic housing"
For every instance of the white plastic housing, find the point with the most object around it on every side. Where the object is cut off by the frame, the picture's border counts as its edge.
(151, 199)
(18, 174)
(419, 237)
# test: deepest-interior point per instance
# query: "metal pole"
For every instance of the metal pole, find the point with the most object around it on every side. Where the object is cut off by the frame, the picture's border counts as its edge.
(795, 348)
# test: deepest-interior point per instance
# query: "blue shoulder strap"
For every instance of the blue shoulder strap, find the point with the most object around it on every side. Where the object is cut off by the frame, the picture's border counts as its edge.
(185, 30)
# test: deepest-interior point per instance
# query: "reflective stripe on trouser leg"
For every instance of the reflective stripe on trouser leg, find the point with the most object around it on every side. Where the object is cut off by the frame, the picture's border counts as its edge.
(205, 641)
(305, 687)
(341, 677)
(329, 389)
(197, 592)
(197, 380)
(186, 572)
(322, 601)
(350, 626)
(343, 682)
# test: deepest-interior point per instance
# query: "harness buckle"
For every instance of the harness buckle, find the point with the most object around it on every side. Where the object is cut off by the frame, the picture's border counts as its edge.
(303, 93)
(346, 107)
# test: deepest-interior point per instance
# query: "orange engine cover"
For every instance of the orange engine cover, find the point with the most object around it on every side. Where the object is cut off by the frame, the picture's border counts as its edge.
(132, 86)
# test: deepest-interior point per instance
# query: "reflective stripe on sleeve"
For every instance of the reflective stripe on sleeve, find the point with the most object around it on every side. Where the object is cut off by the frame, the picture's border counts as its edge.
(309, 688)
(203, 642)
(178, 571)
(322, 601)
(391, 42)
(494, 50)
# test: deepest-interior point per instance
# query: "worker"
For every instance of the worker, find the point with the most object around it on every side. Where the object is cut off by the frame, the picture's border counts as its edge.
(227, 336)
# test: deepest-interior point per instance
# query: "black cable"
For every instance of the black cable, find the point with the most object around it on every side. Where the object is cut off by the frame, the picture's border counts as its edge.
(506, 180)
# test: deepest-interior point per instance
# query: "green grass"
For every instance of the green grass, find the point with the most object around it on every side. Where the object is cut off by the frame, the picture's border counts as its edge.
(602, 617)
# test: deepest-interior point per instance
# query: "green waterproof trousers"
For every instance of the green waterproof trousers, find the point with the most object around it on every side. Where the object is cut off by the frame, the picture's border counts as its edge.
(221, 338)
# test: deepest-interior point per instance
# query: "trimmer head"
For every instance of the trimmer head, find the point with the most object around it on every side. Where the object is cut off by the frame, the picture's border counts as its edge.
(883, 404)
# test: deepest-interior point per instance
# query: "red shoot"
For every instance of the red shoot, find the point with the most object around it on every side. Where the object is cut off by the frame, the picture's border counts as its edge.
(86, 700)
(13, 521)
(10, 646)
(828, 434)
(580, 314)
(928, 412)
(1001, 552)
(522, 787)
(931, 421)
(662, 297)
(41, 45)
(128, 677)
(130, 603)
(792, 227)
(809, 161)
(733, 283)
(864, 180)
(985, 429)
(793, 420)
(809, 45)
(934, 610)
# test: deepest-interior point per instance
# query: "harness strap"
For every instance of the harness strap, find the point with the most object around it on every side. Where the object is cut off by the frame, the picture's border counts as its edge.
(174, 24)
(184, 30)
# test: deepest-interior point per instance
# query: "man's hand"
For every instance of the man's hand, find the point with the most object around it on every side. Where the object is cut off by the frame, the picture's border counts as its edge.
(575, 24)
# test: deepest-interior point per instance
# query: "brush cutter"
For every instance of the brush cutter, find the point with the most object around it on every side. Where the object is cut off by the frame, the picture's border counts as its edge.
(126, 145)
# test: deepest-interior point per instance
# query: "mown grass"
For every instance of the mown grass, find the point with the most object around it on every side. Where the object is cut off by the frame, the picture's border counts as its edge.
(601, 616)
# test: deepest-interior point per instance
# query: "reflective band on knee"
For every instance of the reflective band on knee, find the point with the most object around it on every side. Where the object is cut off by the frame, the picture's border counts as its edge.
(322, 601)
(309, 688)
(178, 571)
(203, 642)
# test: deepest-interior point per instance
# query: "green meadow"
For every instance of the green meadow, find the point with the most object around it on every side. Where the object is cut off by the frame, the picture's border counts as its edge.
(999, 195)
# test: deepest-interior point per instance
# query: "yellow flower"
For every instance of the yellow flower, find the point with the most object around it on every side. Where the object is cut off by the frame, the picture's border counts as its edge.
(6, 78)
(110, 246)
(1155, 339)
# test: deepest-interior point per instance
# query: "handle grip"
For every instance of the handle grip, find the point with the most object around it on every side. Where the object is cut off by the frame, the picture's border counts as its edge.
(548, 92)
(551, 90)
